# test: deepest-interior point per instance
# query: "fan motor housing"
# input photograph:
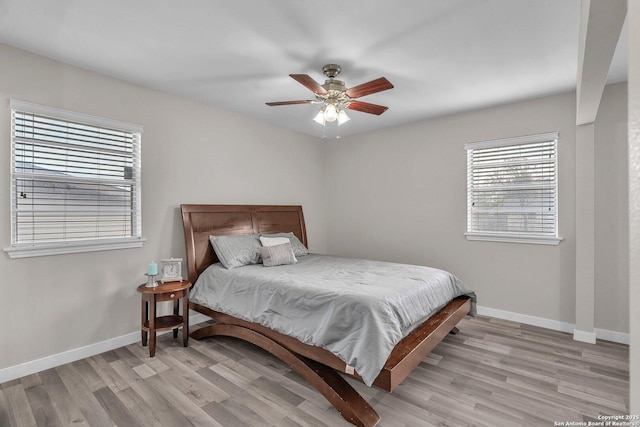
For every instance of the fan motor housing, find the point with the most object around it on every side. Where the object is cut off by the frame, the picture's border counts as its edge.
(333, 84)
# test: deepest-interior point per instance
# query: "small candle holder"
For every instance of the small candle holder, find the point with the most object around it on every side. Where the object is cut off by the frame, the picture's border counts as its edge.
(151, 281)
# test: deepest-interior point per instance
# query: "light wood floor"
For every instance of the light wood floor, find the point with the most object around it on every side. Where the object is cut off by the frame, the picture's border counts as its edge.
(494, 373)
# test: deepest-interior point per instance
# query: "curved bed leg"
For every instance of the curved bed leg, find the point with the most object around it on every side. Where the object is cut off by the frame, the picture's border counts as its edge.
(327, 381)
(203, 332)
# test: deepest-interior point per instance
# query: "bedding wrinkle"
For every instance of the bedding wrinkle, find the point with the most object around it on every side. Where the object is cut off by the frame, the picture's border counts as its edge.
(357, 309)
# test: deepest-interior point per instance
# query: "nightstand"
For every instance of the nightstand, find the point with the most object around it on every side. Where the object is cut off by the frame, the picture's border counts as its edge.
(170, 291)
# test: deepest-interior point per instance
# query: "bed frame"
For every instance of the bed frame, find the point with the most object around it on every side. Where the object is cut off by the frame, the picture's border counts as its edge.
(318, 366)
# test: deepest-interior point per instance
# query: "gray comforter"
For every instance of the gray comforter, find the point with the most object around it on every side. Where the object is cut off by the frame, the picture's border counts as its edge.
(357, 309)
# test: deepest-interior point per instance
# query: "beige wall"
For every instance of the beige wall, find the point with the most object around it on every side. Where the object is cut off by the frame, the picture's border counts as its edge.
(191, 154)
(400, 194)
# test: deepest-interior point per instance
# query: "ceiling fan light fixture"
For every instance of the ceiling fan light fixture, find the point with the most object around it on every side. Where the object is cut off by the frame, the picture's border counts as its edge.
(319, 118)
(330, 113)
(342, 117)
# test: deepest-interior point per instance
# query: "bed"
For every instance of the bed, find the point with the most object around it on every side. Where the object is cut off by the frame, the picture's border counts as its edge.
(316, 364)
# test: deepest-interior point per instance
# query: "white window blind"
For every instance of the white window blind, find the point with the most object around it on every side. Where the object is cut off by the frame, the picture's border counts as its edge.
(512, 189)
(75, 182)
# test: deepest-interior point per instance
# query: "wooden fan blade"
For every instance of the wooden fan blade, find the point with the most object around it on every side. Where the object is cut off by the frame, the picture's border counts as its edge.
(309, 83)
(273, 104)
(377, 85)
(365, 107)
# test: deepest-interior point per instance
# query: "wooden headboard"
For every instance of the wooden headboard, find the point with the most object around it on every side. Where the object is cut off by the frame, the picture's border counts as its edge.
(202, 221)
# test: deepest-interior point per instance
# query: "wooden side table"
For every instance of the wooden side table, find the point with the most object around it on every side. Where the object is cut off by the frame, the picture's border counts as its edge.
(170, 291)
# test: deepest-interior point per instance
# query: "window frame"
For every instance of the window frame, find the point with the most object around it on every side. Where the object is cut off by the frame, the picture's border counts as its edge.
(473, 233)
(22, 250)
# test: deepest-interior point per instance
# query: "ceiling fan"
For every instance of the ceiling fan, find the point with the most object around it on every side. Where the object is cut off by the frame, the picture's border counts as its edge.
(336, 97)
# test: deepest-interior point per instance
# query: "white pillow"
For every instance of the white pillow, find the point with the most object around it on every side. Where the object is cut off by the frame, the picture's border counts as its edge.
(272, 241)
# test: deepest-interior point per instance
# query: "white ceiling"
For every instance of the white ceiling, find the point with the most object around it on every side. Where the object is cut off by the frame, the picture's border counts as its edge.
(443, 56)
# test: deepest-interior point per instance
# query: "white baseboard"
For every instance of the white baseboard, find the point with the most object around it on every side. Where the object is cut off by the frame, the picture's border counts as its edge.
(555, 325)
(613, 336)
(34, 366)
(39, 365)
(526, 319)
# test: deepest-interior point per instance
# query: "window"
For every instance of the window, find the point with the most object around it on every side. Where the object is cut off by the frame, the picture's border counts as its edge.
(512, 190)
(75, 182)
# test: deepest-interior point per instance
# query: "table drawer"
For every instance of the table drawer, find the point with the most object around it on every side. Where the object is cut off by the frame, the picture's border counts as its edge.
(170, 296)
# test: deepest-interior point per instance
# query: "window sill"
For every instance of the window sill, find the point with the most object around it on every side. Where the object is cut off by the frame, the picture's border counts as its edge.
(514, 238)
(27, 251)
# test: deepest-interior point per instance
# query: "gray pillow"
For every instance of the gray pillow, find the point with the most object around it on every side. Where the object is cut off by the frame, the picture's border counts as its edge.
(236, 251)
(277, 255)
(298, 248)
